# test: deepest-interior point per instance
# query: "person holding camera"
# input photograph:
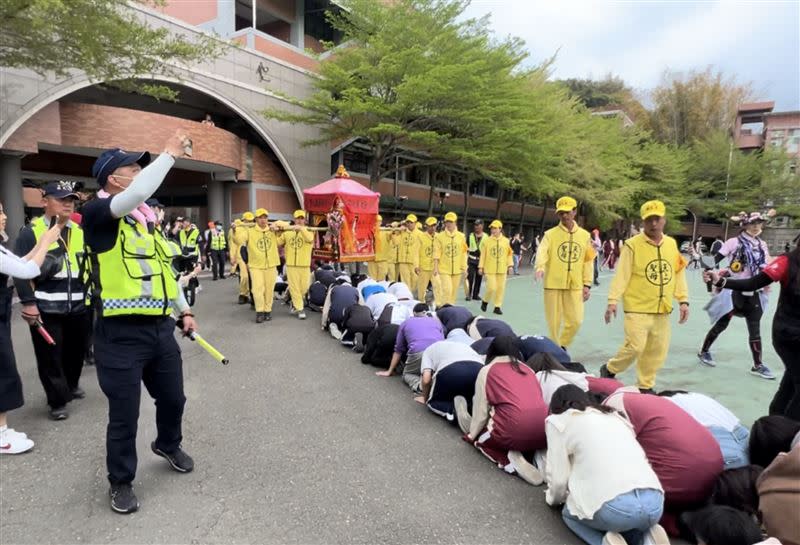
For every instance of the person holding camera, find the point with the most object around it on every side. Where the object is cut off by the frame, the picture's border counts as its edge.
(56, 299)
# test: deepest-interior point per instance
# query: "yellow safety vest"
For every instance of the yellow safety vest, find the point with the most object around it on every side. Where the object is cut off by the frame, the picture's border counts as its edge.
(451, 251)
(496, 255)
(298, 246)
(262, 248)
(188, 241)
(133, 277)
(64, 292)
(217, 240)
(564, 255)
(656, 275)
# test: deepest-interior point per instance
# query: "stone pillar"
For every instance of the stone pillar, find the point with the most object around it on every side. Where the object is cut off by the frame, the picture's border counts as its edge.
(297, 32)
(216, 200)
(11, 194)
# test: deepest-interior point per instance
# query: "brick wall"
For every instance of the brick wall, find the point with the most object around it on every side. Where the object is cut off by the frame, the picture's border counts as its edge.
(240, 200)
(266, 170)
(195, 12)
(278, 202)
(285, 53)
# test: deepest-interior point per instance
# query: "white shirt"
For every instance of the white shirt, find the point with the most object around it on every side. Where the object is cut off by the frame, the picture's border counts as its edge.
(458, 335)
(377, 302)
(400, 290)
(593, 457)
(705, 410)
(441, 354)
(16, 267)
(400, 313)
(550, 381)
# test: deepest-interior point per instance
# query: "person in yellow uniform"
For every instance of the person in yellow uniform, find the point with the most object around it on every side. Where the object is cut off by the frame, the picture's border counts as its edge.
(650, 273)
(565, 259)
(298, 242)
(425, 270)
(393, 252)
(496, 263)
(239, 240)
(262, 262)
(449, 259)
(378, 269)
(408, 252)
(231, 249)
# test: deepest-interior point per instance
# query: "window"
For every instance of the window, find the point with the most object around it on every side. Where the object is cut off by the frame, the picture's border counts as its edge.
(356, 161)
(793, 144)
(244, 14)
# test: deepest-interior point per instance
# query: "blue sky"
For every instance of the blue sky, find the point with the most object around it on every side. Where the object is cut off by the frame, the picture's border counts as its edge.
(757, 41)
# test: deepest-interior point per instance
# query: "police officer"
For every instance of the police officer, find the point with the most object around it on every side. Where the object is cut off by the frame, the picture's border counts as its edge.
(217, 250)
(190, 245)
(134, 293)
(56, 300)
(474, 278)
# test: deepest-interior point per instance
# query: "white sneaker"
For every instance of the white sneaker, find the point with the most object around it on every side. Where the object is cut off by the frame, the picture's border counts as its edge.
(656, 536)
(301, 315)
(13, 442)
(613, 538)
(526, 471)
(335, 333)
(462, 413)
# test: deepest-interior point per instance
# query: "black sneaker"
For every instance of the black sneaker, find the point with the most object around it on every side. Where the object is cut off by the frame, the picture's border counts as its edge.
(179, 460)
(58, 413)
(260, 317)
(605, 373)
(497, 310)
(123, 500)
(647, 391)
(268, 316)
(243, 300)
(467, 299)
(484, 306)
(358, 347)
(78, 393)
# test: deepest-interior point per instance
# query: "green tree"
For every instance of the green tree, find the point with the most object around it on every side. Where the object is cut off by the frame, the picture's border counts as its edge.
(415, 76)
(690, 107)
(103, 38)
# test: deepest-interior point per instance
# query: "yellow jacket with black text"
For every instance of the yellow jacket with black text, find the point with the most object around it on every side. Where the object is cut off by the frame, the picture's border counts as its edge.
(298, 246)
(262, 248)
(496, 255)
(649, 276)
(451, 251)
(566, 257)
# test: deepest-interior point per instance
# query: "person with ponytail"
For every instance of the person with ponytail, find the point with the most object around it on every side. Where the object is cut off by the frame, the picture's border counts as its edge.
(508, 411)
(785, 325)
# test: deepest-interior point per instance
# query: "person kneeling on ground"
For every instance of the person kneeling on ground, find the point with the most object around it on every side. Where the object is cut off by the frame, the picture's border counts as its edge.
(453, 317)
(356, 325)
(480, 327)
(316, 296)
(552, 375)
(721, 525)
(530, 345)
(341, 296)
(414, 336)
(598, 470)
(508, 411)
(683, 453)
(380, 346)
(446, 383)
(717, 419)
(460, 336)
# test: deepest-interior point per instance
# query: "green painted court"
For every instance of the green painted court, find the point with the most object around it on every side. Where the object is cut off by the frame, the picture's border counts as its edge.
(730, 382)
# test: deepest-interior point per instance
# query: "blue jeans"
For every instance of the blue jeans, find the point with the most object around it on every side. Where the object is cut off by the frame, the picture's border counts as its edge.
(733, 445)
(517, 258)
(630, 514)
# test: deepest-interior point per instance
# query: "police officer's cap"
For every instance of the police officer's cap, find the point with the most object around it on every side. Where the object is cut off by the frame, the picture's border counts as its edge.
(153, 203)
(112, 159)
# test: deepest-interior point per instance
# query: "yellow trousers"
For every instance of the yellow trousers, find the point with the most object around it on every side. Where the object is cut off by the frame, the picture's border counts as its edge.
(298, 280)
(391, 271)
(449, 284)
(244, 278)
(377, 270)
(563, 310)
(406, 273)
(263, 287)
(422, 286)
(646, 341)
(495, 288)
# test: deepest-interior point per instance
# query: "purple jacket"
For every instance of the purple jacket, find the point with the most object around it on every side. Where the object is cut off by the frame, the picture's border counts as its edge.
(418, 333)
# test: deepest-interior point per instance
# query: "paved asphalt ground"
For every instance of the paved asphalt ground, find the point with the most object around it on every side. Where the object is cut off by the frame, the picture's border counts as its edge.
(294, 442)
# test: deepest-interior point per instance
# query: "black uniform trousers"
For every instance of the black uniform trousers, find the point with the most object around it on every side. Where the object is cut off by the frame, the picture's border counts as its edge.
(60, 365)
(10, 383)
(474, 279)
(130, 350)
(218, 263)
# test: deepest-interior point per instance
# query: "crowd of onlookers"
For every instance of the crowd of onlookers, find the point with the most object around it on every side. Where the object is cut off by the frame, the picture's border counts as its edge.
(627, 467)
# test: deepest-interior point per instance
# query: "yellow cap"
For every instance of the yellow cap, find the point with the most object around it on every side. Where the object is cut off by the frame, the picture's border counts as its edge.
(261, 212)
(237, 222)
(566, 204)
(299, 214)
(450, 216)
(431, 221)
(653, 208)
(378, 218)
(411, 217)
(496, 223)
(248, 216)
